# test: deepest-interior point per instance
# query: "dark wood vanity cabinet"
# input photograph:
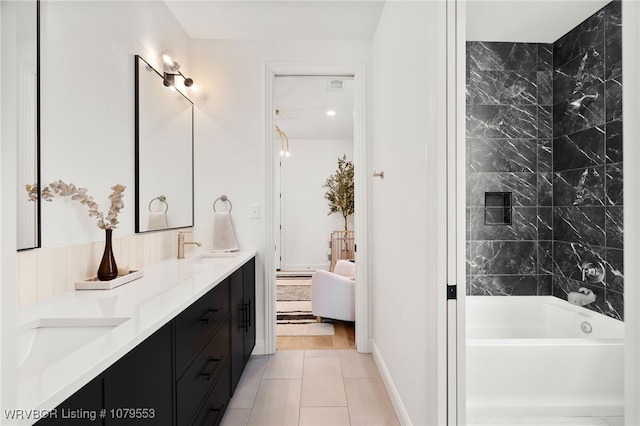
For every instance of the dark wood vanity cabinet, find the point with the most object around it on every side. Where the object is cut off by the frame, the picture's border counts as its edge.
(185, 372)
(243, 319)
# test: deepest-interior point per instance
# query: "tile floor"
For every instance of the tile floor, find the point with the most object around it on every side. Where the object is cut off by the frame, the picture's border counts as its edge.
(311, 388)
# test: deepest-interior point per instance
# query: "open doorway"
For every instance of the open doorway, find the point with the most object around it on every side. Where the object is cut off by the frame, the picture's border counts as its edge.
(314, 140)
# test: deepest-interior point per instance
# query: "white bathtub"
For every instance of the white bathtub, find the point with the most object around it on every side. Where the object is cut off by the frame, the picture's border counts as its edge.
(529, 356)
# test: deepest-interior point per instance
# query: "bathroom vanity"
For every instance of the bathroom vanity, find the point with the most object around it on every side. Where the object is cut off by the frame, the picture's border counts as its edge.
(187, 329)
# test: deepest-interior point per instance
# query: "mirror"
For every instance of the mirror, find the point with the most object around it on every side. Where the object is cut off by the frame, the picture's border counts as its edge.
(20, 31)
(164, 153)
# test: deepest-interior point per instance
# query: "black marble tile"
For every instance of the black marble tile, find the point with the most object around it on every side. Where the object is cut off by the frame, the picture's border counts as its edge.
(523, 226)
(569, 257)
(545, 155)
(545, 223)
(613, 142)
(563, 286)
(614, 267)
(545, 56)
(577, 41)
(613, 39)
(502, 155)
(614, 227)
(579, 74)
(545, 189)
(545, 122)
(545, 257)
(614, 306)
(503, 285)
(501, 56)
(501, 88)
(521, 185)
(502, 121)
(502, 258)
(613, 89)
(583, 224)
(614, 184)
(545, 88)
(580, 187)
(568, 118)
(545, 285)
(579, 150)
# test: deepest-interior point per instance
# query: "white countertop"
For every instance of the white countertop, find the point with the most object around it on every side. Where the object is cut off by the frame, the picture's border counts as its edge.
(165, 290)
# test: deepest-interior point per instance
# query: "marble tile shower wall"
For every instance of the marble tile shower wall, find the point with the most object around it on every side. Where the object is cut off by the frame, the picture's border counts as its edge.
(587, 158)
(562, 163)
(509, 133)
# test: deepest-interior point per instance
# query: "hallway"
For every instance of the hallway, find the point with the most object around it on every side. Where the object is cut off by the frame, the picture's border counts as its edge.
(312, 387)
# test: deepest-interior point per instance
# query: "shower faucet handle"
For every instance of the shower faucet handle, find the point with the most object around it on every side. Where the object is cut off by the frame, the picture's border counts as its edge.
(592, 272)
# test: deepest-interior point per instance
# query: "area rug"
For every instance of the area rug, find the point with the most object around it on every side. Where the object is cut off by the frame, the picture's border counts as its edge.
(294, 315)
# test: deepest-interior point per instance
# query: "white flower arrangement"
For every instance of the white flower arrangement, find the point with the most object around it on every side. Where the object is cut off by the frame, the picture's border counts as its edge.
(63, 189)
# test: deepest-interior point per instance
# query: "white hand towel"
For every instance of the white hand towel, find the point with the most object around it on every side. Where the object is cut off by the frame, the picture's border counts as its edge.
(157, 220)
(224, 238)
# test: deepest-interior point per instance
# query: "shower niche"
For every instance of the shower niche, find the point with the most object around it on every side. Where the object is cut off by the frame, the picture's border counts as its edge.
(497, 208)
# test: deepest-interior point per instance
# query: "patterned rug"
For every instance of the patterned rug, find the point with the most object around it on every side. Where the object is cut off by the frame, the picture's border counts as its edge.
(294, 316)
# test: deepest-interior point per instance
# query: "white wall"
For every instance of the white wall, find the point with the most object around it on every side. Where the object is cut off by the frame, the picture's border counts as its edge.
(405, 220)
(306, 225)
(230, 151)
(87, 103)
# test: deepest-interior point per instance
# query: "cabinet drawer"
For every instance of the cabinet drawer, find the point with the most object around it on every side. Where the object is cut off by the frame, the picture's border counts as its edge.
(196, 325)
(216, 404)
(202, 373)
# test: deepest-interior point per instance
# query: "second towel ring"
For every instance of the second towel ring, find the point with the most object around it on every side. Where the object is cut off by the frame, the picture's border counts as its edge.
(222, 198)
(162, 199)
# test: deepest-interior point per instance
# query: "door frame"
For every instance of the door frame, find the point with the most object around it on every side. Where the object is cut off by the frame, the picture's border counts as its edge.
(363, 321)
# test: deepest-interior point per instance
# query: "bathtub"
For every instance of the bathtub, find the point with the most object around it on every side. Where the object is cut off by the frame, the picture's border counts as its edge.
(529, 355)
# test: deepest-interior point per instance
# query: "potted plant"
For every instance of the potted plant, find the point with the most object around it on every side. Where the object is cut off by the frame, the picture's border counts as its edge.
(340, 190)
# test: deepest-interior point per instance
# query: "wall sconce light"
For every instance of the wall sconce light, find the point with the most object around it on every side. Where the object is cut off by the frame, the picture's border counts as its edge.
(284, 140)
(171, 69)
(580, 102)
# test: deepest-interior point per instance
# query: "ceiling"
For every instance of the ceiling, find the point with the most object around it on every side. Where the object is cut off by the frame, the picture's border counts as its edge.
(278, 20)
(303, 103)
(542, 21)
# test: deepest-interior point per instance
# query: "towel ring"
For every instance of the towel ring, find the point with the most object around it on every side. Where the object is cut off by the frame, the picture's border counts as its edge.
(222, 198)
(162, 199)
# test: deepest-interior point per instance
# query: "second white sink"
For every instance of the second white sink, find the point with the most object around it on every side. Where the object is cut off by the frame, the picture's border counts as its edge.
(45, 341)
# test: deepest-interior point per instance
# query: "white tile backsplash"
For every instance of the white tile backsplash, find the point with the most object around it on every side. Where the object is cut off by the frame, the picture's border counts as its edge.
(48, 272)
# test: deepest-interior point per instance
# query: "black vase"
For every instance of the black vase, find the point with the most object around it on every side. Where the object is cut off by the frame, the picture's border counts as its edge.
(108, 269)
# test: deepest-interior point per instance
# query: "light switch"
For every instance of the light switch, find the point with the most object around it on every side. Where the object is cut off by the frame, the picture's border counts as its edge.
(255, 211)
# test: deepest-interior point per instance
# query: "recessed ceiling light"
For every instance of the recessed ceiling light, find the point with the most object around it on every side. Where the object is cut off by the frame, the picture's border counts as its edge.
(331, 113)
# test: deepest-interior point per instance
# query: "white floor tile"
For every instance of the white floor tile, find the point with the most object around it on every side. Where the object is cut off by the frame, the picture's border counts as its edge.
(369, 403)
(322, 383)
(245, 393)
(277, 403)
(613, 421)
(317, 353)
(356, 365)
(324, 416)
(284, 365)
(236, 417)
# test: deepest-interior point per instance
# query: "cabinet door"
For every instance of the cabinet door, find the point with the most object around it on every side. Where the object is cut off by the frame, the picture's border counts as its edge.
(81, 408)
(139, 387)
(249, 296)
(238, 317)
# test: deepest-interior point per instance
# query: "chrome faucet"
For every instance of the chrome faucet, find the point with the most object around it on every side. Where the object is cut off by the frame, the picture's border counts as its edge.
(582, 297)
(182, 242)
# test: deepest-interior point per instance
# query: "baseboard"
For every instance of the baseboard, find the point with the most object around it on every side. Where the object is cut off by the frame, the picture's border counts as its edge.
(394, 395)
(259, 348)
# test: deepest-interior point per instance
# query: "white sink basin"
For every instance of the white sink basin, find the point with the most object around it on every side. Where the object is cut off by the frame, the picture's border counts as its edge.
(45, 341)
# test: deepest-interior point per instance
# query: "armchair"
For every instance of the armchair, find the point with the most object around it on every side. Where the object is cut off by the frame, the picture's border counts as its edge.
(333, 293)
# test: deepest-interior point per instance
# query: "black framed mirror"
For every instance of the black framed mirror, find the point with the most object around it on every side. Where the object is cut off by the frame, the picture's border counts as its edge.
(21, 33)
(164, 153)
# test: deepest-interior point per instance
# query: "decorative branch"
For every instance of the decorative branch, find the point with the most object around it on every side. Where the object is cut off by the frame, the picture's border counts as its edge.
(62, 189)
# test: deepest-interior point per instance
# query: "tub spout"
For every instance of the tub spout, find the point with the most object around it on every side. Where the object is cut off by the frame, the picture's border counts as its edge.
(582, 297)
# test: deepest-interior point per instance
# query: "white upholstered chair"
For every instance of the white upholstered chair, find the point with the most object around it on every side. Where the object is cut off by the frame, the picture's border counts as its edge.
(333, 294)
